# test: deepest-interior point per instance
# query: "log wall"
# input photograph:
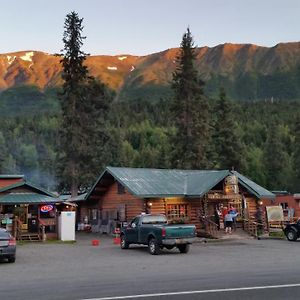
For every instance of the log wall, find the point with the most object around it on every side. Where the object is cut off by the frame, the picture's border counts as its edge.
(111, 200)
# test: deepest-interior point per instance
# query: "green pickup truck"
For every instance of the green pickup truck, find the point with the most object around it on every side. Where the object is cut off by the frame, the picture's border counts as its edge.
(154, 231)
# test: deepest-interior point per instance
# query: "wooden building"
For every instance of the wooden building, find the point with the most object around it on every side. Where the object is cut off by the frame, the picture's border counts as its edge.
(28, 211)
(290, 204)
(195, 197)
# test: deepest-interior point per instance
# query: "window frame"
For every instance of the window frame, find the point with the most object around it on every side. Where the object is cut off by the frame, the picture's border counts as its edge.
(181, 211)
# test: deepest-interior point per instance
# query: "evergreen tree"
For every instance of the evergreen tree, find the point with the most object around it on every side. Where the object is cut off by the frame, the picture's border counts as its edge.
(228, 147)
(190, 111)
(83, 101)
(95, 152)
(296, 153)
(276, 159)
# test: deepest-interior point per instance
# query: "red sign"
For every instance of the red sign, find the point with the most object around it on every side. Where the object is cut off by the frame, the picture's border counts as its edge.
(46, 208)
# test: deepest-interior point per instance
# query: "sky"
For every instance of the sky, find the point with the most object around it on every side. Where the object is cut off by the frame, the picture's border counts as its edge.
(141, 27)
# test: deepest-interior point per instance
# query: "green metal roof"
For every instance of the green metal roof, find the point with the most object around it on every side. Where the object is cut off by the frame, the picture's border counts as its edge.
(27, 198)
(253, 187)
(152, 183)
(2, 176)
(200, 182)
(67, 197)
(27, 184)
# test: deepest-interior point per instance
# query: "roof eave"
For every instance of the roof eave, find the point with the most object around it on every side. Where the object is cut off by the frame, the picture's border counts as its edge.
(106, 170)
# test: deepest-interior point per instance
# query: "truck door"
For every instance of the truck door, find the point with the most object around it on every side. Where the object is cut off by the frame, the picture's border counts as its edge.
(132, 230)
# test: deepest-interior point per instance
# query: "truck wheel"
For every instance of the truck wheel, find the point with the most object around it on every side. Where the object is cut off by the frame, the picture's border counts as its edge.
(169, 247)
(124, 244)
(291, 235)
(12, 259)
(184, 248)
(153, 247)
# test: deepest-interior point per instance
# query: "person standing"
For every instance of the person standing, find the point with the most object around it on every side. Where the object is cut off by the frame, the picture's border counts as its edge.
(229, 221)
(233, 211)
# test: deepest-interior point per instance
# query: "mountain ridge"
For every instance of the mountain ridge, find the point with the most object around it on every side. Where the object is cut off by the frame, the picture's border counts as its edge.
(135, 76)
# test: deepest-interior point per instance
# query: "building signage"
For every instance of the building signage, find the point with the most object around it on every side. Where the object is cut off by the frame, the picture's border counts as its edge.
(46, 208)
(222, 196)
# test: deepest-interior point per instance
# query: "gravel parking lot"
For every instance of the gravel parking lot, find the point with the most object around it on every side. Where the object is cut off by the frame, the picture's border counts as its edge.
(78, 271)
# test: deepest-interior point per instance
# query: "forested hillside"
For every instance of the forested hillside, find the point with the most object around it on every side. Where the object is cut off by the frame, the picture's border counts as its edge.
(140, 132)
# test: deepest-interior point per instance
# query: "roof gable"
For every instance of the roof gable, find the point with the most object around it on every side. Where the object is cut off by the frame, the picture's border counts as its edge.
(200, 182)
(28, 185)
(153, 183)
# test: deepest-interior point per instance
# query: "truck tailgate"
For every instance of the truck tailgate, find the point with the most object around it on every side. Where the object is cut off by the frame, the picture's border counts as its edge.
(179, 231)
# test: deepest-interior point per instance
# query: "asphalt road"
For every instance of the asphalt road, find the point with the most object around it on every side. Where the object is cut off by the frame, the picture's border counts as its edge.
(246, 269)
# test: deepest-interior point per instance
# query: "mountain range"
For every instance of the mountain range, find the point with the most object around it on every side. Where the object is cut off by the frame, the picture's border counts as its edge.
(247, 71)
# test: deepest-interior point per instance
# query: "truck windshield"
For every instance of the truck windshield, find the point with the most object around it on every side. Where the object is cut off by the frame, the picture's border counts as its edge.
(154, 220)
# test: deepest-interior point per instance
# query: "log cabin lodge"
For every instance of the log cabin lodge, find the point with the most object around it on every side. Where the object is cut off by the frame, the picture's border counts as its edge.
(187, 196)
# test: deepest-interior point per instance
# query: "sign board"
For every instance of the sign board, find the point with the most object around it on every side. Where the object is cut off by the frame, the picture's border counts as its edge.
(220, 196)
(231, 185)
(47, 208)
(274, 213)
(231, 180)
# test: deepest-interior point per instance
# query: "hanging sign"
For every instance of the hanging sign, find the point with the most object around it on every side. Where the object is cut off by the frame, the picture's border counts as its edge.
(46, 208)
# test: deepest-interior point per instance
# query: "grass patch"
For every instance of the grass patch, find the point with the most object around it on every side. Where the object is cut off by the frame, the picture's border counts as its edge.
(278, 234)
(21, 243)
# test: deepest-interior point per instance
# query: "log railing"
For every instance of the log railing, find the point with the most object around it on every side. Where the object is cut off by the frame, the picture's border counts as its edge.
(41, 231)
(17, 228)
(253, 228)
(211, 227)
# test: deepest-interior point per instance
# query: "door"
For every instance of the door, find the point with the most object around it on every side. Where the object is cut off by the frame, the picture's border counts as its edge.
(132, 230)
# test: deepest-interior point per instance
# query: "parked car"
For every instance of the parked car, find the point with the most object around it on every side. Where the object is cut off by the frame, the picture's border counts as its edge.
(292, 231)
(154, 231)
(7, 246)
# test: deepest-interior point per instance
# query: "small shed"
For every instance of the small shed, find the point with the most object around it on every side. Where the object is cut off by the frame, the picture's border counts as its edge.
(28, 211)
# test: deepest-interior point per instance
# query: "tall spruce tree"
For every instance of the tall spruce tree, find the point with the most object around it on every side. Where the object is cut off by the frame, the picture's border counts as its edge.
(190, 111)
(296, 152)
(276, 159)
(228, 146)
(84, 102)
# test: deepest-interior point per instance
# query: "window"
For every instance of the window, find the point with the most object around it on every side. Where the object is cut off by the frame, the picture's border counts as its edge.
(121, 189)
(135, 221)
(93, 214)
(177, 211)
(154, 220)
(284, 205)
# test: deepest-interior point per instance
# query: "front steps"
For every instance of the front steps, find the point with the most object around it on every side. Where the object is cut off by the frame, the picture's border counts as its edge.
(32, 237)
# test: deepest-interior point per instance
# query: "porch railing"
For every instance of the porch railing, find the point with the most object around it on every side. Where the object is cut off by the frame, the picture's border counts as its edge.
(253, 228)
(18, 229)
(41, 230)
(211, 227)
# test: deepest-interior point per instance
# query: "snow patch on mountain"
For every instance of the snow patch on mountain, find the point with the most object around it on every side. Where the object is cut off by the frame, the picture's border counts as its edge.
(112, 68)
(28, 56)
(122, 57)
(132, 68)
(10, 59)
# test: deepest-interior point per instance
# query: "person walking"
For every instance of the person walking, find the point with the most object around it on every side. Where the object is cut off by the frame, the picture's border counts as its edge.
(229, 221)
